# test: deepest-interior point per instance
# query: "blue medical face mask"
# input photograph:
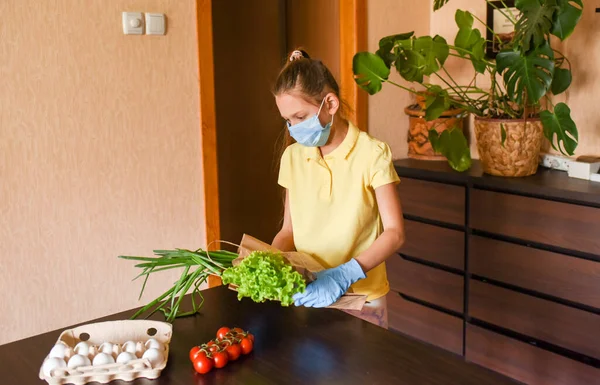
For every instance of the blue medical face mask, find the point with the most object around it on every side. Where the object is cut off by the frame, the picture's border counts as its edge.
(310, 133)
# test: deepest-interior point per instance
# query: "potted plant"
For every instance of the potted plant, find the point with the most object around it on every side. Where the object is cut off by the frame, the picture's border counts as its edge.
(419, 146)
(515, 112)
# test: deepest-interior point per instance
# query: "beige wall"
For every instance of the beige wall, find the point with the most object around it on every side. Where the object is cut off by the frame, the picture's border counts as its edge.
(99, 156)
(386, 17)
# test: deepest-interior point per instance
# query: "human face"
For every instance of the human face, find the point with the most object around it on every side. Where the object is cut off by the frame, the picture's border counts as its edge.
(295, 109)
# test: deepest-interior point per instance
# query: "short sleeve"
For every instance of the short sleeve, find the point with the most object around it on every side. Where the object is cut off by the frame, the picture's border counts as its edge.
(285, 169)
(382, 169)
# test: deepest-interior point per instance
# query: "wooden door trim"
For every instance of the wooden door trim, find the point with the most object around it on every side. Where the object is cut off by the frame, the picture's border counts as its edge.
(353, 39)
(208, 130)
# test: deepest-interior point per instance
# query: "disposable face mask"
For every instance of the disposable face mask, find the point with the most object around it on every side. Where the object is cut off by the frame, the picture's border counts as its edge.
(310, 132)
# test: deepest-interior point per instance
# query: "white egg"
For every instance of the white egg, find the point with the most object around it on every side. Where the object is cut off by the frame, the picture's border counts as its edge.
(125, 357)
(82, 348)
(155, 356)
(107, 348)
(103, 359)
(51, 364)
(154, 344)
(78, 360)
(58, 351)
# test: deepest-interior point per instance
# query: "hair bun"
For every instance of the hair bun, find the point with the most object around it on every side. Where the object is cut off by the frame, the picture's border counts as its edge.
(299, 54)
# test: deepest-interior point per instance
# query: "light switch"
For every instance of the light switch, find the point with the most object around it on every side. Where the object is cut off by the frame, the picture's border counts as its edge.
(133, 23)
(155, 24)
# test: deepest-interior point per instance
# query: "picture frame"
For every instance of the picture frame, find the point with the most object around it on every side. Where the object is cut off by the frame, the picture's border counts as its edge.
(499, 24)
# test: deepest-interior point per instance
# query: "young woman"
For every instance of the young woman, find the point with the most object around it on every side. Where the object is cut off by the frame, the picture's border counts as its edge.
(341, 203)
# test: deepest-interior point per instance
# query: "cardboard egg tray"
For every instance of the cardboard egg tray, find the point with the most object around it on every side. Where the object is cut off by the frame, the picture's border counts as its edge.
(116, 332)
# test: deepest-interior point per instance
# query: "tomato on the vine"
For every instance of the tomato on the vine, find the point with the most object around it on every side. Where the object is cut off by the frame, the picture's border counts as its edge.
(251, 337)
(247, 345)
(220, 359)
(222, 332)
(193, 352)
(238, 330)
(234, 351)
(202, 364)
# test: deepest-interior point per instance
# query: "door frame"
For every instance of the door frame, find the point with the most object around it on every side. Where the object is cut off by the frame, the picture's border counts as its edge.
(353, 39)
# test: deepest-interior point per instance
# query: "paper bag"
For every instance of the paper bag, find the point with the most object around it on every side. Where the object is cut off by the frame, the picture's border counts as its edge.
(304, 264)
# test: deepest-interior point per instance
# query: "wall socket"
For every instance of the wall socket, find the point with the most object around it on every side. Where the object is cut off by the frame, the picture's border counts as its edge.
(555, 162)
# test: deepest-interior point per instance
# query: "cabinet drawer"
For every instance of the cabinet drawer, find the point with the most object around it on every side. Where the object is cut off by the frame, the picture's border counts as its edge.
(425, 324)
(435, 244)
(426, 283)
(437, 201)
(560, 325)
(525, 362)
(574, 279)
(558, 224)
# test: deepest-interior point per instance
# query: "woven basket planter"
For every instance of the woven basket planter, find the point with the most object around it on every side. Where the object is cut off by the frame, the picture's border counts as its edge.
(418, 131)
(520, 154)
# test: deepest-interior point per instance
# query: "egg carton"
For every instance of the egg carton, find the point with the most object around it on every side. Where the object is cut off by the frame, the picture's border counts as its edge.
(117, 333)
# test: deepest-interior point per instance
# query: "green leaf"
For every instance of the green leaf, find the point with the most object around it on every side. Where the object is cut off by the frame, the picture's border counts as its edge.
(437, 4)
(369, 71)
(560, 124)
(470, 39)
(437, 101)
(502, 133)
(435, 51)
(411, 66)
(453, 145)
(535, 22)
(477, 56)
(387, 44)
(532, 72)
(561, 81)
(566, 17)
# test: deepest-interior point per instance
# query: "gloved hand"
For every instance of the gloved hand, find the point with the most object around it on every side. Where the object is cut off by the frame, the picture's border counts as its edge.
(330, 285)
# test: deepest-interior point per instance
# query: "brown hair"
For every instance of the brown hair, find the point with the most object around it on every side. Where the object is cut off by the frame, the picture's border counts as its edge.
(311, 79)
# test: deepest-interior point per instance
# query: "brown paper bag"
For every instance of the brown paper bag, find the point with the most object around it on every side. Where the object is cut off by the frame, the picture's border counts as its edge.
(306, 265)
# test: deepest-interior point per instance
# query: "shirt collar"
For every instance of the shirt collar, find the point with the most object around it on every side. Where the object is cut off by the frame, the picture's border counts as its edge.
(342, 151)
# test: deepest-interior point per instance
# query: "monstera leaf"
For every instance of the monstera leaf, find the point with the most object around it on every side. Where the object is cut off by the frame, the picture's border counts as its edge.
(559, 124)
(437, 4)
(437, 101)
(422, 57)
(532, 72)
(562, 80)
(453, 145)
(370, 71)
(386, 45)
(469, 39)
(535, 22)
(566, 17)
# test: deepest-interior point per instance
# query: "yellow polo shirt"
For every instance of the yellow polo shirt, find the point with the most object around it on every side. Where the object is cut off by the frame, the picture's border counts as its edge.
(333, 205)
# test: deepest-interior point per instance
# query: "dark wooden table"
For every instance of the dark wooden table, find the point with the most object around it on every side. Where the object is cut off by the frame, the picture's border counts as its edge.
(293, 346)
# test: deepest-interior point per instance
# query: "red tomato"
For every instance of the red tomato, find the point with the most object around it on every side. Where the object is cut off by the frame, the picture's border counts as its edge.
(233, 351)
(251, 337)
(222, 332)
(203, 364)
(193, 352)
(238, 330)
(247, 345)
(220, 359)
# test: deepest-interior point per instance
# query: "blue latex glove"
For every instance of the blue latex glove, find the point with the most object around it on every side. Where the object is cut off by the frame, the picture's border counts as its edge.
(330, 285)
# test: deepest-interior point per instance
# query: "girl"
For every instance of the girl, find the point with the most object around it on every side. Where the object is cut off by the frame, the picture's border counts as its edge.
(341, 204)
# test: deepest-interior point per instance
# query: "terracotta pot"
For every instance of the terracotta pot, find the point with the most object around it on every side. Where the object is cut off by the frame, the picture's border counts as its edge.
(519, 156)
(418, 131)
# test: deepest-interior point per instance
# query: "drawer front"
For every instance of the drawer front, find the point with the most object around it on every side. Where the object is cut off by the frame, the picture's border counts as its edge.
(425, 324)
(426, 283)
(574, 279)
(435, 244)
(525, 362)
(561, 325)
(431, 200)
(553, 223)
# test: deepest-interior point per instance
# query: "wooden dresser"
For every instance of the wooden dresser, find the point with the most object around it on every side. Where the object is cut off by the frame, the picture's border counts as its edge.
(505, 272)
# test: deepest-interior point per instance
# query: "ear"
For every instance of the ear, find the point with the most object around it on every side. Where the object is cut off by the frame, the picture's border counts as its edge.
(332, 103)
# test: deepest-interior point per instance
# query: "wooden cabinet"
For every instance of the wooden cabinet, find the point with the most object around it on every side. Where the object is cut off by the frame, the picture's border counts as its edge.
(513, 262)
(425, 324)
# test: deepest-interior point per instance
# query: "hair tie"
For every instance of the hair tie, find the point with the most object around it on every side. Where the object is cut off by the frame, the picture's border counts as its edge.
(296, 55)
